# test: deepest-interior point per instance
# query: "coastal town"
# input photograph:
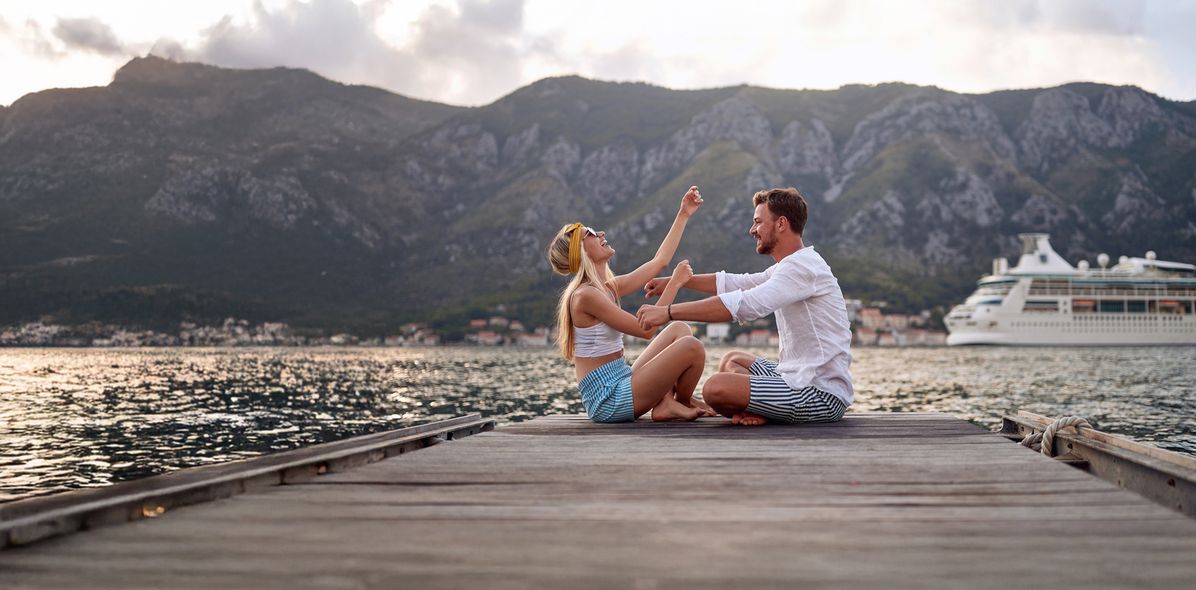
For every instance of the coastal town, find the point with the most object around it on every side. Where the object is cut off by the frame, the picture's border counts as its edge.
(871, 326)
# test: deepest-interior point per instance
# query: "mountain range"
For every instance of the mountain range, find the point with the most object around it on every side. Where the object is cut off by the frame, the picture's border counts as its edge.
(183, 191)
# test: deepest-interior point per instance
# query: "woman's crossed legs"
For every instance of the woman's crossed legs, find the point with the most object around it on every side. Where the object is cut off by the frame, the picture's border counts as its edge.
(665, 375)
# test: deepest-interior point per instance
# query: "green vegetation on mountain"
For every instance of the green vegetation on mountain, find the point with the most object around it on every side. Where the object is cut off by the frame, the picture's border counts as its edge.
(190, 192)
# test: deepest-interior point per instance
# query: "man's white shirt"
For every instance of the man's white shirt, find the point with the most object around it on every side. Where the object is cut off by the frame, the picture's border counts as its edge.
(811, 319)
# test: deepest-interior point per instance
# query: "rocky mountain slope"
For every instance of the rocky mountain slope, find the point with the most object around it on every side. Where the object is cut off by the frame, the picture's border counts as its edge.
(189, 191)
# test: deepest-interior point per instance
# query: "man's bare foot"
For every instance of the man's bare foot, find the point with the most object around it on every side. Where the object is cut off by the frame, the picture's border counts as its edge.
(670, 409)
(748, 419)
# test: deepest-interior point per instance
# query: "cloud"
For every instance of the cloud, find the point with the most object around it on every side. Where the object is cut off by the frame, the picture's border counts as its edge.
(88, 34)
(324, 34)
(32, 39)
(170, 49)
(68, 36)
(467, 53)
(1083, 17)
(981, 46)
(472, 52)
(479, 50)
(961, 45)
(1098, 17)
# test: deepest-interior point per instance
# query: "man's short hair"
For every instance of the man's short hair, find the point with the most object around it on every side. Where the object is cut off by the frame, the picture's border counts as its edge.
(787, 203)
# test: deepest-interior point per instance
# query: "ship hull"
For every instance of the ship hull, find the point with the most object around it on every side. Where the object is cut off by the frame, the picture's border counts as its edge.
(1073, 331)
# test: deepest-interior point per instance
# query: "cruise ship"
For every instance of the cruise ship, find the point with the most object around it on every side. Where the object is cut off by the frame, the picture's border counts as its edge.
(1044, 300)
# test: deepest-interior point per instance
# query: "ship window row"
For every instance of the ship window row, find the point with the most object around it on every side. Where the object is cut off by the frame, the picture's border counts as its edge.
(1141, 318)
(1126, 318)
(1106, 329)
(1119, 290)
(1121, 329)
(1160, 306)
(1097, 326)
(1118, 308)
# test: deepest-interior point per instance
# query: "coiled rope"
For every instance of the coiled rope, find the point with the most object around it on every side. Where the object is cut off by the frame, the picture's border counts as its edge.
(1046, 438)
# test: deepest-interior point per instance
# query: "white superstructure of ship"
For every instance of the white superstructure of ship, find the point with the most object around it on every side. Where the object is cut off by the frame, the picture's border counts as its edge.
(1044, 300)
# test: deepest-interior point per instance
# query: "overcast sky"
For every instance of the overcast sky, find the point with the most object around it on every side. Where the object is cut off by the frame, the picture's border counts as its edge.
(471, 52)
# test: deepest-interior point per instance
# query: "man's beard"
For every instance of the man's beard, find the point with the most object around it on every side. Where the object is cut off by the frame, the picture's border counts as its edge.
(765, 246)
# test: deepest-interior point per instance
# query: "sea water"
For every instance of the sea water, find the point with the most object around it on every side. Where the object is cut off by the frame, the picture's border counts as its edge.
(72, 418)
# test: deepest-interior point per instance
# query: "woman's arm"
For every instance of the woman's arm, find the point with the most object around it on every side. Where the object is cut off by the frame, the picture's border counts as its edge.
(596, 303)
(593, 302)
(681, 275)
(635, 280)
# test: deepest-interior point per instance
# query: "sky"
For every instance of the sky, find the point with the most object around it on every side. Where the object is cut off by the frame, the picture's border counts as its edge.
(472, 52)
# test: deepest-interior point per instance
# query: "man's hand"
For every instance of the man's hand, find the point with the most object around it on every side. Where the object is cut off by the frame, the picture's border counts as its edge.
(690, 202)
(655, 287)
(652, 316)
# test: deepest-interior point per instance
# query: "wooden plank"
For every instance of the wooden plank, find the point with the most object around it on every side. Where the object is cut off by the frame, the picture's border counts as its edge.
(1120, 442)
(26, 521)
(1157, 474)
(562, 502)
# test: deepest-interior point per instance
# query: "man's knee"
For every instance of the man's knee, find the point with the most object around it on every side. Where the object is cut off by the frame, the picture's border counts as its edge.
(736, 361)
(722, 391)
(725, 361)
(714, 392)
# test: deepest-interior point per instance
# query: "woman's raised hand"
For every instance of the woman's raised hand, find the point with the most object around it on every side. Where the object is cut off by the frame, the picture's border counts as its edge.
(682, 273)
(690, 202)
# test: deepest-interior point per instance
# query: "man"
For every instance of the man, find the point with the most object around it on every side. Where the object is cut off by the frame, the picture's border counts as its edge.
(812, 381)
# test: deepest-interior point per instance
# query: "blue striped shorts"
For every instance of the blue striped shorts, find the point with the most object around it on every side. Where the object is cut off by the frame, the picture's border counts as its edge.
(606, 393)
(773, 399)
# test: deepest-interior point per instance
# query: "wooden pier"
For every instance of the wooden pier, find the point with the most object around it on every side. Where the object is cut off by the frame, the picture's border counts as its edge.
(875, 501)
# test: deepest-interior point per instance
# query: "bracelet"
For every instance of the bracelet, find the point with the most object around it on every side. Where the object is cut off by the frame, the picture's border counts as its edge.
(670, 312)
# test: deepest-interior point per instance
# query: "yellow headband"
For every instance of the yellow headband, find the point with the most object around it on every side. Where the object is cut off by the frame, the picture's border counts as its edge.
(575, 247)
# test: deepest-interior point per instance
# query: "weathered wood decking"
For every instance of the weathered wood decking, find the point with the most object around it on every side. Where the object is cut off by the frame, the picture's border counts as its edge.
(876, 501)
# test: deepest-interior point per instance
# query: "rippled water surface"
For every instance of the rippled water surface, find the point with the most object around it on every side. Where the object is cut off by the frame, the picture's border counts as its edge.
(87, 417)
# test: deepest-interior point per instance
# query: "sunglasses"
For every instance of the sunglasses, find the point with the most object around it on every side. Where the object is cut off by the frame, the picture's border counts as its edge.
(588, 231)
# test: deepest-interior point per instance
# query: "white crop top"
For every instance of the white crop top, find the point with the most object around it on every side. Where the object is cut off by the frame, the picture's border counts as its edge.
(597, 340)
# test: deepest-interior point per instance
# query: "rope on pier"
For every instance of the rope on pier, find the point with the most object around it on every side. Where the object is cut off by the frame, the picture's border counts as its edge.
(1046, 438)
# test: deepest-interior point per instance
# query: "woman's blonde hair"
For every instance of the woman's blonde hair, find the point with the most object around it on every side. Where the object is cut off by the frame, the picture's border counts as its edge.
(587, 274)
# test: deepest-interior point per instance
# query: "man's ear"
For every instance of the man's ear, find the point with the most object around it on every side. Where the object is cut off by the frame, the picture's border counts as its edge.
(784, 223)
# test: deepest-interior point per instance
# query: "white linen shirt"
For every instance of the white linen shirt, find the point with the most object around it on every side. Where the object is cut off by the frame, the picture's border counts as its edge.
(811, 318)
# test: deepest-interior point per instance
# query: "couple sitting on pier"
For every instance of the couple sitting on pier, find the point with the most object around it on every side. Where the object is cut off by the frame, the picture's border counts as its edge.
(810, 383)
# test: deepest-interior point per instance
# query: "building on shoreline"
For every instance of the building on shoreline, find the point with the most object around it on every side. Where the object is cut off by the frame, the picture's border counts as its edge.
(876, 328)
(503, 331)
(872, 327)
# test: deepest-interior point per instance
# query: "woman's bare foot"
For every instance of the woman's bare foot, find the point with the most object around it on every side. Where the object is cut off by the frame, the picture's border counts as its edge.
(748, 419)
(694, 402)
(670, 409)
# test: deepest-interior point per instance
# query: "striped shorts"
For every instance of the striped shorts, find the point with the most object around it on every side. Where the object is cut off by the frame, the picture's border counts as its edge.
(773, 399)
(606, 393)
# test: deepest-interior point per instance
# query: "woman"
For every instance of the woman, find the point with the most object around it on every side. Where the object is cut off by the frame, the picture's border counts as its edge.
(591, 325)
